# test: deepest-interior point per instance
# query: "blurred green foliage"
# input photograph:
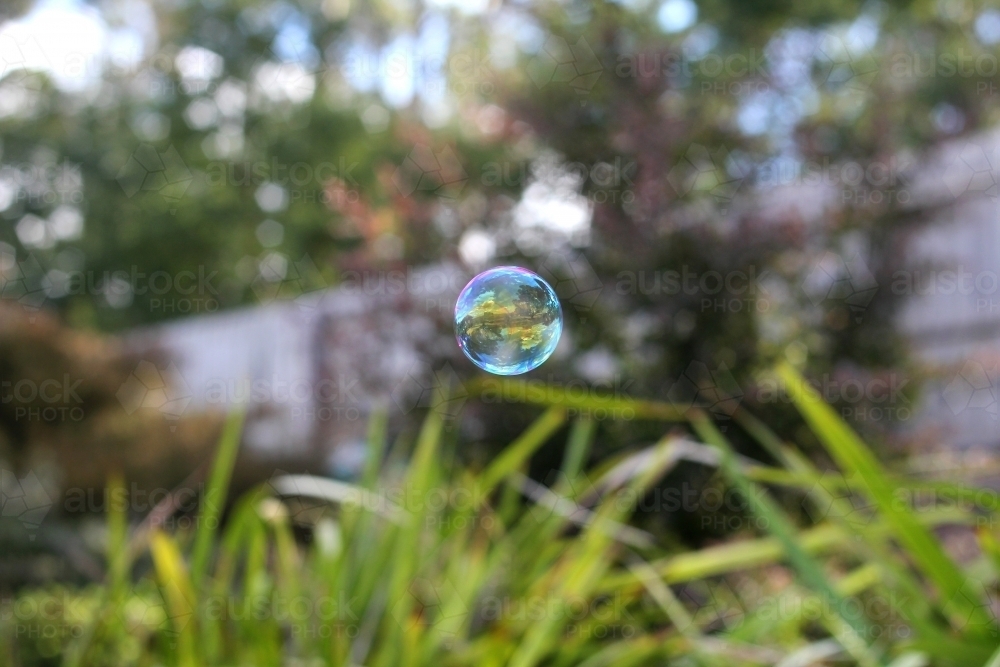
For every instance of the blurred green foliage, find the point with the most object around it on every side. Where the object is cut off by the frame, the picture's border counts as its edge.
(828, 81)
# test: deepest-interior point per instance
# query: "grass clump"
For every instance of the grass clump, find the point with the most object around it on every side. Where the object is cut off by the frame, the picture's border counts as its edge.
(440, 565)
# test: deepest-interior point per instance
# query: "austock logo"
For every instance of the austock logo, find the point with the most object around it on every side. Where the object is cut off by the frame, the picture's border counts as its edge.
(423, 170)
(24, 282)
(714, 390)
(146, 611)
(970, 611)
(439, 390)
(708, 171)
(49, 400)
(845, 61)
(975, 387)
(974, 169)
(24, 499)
(15, 50)
(573, 279)
(148, 170)
(438, 604)
(45, 616)
(559, 62)
(147, 387)
(834, 279)
(716, 606)
(837, 497)
(279, 279)
(868, 397)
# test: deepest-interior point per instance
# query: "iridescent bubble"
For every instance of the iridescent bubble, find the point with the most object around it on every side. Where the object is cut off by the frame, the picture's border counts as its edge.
(508, 320)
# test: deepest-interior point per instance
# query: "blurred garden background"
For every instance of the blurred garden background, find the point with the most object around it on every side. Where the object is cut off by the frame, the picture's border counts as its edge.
(235, 427)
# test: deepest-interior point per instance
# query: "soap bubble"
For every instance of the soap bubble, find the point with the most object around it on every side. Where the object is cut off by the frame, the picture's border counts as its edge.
(508, 320)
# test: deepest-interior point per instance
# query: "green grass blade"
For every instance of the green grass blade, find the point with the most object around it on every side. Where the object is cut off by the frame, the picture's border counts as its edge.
(215, 494)
(853, 456)
(178, 594)
(377, 425)
(578, 447)
(117, 541)
(731, 557)
(853, 630)
(496, 391)
(872, 543)
(422, 474)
